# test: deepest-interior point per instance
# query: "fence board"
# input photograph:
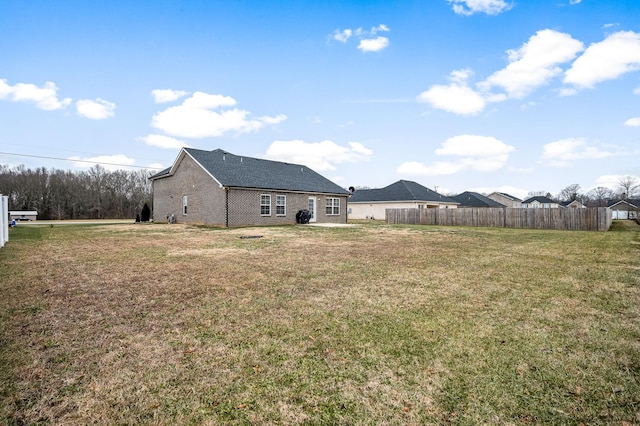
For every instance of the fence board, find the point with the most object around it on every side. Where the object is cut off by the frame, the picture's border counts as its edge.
(590, 219)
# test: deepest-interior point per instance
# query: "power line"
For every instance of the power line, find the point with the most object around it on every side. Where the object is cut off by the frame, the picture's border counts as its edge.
(75, 151)
(78, 161)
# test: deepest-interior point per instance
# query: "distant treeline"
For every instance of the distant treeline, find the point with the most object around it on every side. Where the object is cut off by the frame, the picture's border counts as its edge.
(93, 194)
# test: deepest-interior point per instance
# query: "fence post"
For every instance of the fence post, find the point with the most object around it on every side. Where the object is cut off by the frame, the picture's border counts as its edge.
(4, 219)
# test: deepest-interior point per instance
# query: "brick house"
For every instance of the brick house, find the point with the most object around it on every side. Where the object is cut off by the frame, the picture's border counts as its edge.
(220, 188)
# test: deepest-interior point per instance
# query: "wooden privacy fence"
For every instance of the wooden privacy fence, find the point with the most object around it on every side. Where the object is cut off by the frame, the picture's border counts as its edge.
(589, 219)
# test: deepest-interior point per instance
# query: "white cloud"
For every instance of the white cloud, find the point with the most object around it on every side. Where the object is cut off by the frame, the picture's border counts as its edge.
(368, 42)
(95, 110)
(478, 153)
(163, 141)
(45, 98)
(562, 152)
(633, 122)
(608, 181)
(342, 35)
(534, 64)
(195, 118)
(373, 44)
(319, 156)
(613, 181)
(474, 146)
(203, 100)
(636, 91)
(272, 120)
(616, 55)
(161, 96)
(109, 162)
(379, 28)
(575, 1)
(5, 89)
(456, 97)
(469, 7)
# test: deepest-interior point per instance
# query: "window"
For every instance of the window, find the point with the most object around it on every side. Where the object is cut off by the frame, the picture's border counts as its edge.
(265, 205)
(184, 205)
(281, 205)
(333, 206)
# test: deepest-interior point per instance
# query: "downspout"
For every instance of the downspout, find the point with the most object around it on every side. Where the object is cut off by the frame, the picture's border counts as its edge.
(226, 207)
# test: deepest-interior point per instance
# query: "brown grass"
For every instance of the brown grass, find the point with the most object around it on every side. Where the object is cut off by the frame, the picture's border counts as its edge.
(371, 324)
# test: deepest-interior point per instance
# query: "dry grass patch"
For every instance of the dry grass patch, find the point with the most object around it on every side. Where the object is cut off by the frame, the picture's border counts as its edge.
(356, 325)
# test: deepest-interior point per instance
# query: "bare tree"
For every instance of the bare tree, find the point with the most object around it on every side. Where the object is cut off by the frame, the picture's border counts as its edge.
(628, 187)
(570, 193)
(96, 193)
(599, 196)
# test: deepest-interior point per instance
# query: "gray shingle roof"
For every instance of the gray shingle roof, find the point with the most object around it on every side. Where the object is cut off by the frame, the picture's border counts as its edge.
(246, 172)
(473, 199)
(631, 201)
(402, 190)
(539, 198)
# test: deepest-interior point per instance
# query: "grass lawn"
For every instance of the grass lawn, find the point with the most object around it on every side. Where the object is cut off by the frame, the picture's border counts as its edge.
(371, 324)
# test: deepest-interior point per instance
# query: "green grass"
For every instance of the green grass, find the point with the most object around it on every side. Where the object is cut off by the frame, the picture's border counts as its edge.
(372, 324)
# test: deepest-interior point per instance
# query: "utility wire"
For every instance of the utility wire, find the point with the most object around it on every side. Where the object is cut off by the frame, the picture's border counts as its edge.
(78, 161)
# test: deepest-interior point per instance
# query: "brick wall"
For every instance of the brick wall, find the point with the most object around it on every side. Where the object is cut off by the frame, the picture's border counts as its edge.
(206, 201)
(205, 198)
(244, 208)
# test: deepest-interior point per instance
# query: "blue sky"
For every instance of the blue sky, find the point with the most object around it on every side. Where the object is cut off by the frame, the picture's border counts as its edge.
(457, 95)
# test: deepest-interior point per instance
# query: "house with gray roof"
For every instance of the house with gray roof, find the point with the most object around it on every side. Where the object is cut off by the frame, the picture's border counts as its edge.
(372, 203)
(223, 189)
(474, 199)
(540, 202)
(624, 209)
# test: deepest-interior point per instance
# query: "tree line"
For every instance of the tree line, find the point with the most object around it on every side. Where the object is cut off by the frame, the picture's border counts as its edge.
(99, 193)
(628, 187)
(96, 193)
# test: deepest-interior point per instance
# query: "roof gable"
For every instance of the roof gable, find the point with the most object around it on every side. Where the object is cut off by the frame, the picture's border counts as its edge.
(473, 199)
(571, 203)
(540, 199)
(402, 190)
(235, 171)
(508, 196)
(629, 202)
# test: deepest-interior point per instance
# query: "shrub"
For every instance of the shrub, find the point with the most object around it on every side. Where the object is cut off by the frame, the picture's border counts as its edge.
(145, 215)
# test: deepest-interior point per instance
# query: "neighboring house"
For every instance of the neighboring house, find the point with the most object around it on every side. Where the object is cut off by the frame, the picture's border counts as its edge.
(506, 199)
(219, 188)
(23, 215)
(540, 202)
(624, 209)
(575, 204)
(474, 199)
(372, 203)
